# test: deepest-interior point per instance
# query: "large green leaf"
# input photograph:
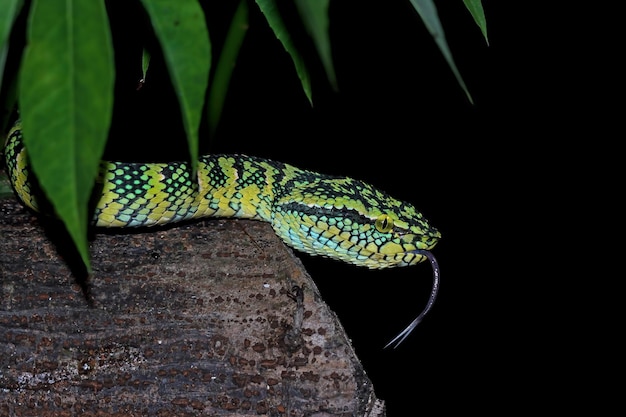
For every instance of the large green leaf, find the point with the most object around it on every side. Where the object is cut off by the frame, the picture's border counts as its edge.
(269, 9)
(314, 15)
(66, 99)
(428, 12)
(181, 29)
(475, 8)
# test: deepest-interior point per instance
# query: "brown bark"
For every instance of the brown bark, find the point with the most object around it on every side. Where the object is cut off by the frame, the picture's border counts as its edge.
(208, 318)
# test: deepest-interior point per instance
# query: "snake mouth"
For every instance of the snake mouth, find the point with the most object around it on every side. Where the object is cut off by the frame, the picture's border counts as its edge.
(415, 248)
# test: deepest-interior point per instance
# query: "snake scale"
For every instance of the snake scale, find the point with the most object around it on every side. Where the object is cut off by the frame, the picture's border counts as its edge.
(335, 217)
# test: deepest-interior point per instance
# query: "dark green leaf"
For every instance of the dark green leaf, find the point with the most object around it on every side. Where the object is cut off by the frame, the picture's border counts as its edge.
(475, 8)
(8, 12)
(314, 15)
(428, 12)
(66, 99)
(269, 9)
(226, 64)
(181, 29)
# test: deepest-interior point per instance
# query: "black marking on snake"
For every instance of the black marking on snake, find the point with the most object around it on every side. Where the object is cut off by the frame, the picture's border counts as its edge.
(217, 176)
(318, 212)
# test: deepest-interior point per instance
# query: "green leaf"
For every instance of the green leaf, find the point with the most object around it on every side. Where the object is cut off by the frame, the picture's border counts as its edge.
(226, 64)
(428, 12)
(8, 12)
(269, 9)
(475, 8)
(314, 15)
(145, 63)
(66, 99)
(181, 29)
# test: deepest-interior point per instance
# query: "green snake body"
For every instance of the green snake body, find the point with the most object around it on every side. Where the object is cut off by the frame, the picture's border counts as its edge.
(319, 214)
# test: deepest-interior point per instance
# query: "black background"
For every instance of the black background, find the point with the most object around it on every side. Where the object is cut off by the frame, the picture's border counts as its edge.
(505, 180)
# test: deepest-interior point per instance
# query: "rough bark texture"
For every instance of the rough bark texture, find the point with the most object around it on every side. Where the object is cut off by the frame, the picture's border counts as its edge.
(211, 318)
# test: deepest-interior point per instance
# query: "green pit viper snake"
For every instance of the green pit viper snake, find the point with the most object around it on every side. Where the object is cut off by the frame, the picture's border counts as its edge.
(335, 217)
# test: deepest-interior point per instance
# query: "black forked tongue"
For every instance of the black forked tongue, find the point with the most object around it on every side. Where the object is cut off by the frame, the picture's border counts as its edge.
(431, 300)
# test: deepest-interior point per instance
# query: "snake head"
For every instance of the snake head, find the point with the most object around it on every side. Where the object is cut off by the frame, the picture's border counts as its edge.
(350, 220)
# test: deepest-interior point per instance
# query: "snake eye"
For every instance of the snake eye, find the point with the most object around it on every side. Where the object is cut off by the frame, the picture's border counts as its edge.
(384, 223)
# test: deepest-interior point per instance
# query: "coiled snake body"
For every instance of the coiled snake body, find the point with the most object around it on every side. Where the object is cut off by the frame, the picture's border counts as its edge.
(335, 217)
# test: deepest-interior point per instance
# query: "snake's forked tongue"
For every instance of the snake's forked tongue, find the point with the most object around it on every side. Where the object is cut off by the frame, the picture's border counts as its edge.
(431, 300)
